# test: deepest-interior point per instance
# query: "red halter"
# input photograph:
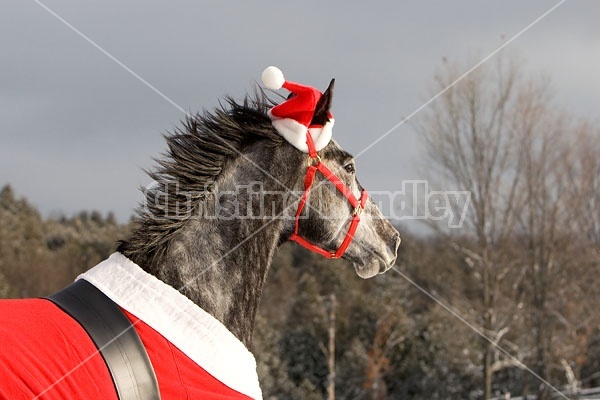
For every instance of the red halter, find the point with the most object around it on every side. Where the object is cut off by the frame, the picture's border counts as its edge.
(314, 165)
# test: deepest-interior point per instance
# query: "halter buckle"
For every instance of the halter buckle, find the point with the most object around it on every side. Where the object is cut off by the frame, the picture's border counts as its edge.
(313, 161)
(358, 210)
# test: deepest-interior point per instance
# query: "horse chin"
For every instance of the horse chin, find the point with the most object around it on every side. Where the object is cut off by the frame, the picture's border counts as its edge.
(370, 269)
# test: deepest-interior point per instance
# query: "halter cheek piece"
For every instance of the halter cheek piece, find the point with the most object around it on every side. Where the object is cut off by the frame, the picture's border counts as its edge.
(314, 165)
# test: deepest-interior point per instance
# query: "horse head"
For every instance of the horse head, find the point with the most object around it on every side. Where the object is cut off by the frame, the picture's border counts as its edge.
(237, 183)
(324, 224)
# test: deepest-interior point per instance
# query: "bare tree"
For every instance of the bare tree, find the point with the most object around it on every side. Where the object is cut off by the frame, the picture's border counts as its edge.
(329, 351)
(474, 136)
(575, 307)
(542, 149)
(583, 175)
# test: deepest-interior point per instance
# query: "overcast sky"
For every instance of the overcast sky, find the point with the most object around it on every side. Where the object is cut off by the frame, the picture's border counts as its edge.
(76, 128)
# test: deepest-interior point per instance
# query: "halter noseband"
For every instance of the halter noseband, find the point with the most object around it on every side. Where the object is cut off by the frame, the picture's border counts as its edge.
(314, 165)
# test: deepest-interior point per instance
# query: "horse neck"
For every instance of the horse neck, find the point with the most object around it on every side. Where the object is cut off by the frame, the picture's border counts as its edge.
(221, 263)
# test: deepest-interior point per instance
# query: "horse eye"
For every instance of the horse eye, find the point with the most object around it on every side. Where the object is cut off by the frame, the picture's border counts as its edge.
(350, 168)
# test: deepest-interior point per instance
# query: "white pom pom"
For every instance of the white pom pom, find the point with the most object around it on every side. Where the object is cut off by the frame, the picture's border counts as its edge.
(272, 78)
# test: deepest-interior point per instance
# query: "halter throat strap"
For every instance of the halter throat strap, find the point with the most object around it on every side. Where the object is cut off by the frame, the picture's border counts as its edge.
(314, 165)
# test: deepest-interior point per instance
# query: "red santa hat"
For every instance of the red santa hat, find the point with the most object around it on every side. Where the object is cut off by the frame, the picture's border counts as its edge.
(292, 118)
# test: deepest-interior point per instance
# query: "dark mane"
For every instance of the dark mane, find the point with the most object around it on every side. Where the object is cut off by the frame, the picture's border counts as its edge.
(197, 153)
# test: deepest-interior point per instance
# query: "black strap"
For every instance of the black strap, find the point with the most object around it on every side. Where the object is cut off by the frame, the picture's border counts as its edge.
(115, 337)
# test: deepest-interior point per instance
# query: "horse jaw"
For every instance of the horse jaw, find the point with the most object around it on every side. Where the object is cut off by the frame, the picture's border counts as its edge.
(374, 267)
(367, 271)
(374, 262)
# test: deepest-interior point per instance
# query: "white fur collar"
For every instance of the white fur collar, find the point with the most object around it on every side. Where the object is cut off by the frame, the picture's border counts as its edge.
(192, 330)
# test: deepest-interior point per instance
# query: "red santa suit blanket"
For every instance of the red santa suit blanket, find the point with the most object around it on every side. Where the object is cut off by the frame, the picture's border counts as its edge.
(45, 354)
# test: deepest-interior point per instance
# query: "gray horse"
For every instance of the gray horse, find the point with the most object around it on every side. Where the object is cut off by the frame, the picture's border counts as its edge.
(229, 191)
(221, 263)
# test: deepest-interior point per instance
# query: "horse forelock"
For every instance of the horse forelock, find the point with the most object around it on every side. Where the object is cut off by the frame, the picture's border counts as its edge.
(198, 151)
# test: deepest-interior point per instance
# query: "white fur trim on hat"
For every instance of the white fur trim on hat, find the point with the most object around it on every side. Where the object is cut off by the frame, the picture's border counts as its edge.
(295, 133)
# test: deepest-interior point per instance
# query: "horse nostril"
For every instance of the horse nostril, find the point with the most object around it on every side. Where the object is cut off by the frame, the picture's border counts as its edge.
(396, 243)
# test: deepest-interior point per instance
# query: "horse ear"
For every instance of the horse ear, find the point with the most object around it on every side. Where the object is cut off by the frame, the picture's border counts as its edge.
(321, 115)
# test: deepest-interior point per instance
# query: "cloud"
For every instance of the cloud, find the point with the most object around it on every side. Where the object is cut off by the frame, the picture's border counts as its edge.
(75, 128)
